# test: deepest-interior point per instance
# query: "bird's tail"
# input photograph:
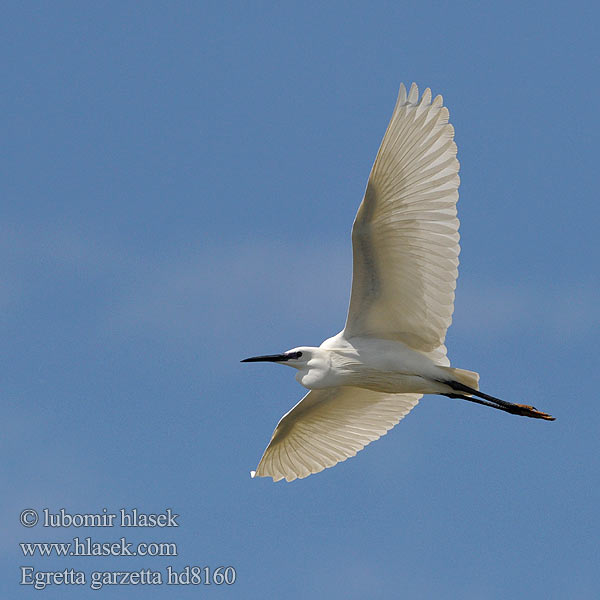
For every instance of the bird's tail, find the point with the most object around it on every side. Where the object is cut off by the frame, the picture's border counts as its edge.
(468, 378)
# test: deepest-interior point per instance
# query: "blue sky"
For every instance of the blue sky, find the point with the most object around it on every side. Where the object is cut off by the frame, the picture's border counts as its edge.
(178, 183)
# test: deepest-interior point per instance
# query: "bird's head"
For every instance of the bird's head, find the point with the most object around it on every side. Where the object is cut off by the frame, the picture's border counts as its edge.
(296, 357)
(312, 364)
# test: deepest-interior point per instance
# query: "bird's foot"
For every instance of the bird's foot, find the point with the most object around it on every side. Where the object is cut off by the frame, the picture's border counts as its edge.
(530, 411)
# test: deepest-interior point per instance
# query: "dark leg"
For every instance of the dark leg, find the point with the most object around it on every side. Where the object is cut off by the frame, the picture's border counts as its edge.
(515, 409)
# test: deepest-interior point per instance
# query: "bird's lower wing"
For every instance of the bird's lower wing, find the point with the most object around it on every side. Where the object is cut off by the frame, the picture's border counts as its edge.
(327, 427)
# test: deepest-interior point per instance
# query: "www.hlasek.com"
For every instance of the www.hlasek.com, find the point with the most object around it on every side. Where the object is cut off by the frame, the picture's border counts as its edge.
(87, 547)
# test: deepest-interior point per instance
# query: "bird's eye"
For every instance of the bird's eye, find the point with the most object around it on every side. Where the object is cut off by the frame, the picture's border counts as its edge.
(298, 354)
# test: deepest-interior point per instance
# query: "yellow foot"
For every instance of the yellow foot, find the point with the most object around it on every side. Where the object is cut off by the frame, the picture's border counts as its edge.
(534, 413)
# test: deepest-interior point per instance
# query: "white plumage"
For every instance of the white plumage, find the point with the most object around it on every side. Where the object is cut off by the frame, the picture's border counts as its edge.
(405, 235)
(328, 426)
(391, 351)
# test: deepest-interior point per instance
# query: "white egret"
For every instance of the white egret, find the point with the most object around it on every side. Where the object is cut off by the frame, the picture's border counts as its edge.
(391, 351)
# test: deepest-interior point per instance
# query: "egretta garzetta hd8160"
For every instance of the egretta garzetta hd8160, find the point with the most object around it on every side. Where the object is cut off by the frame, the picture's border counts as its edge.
(391, 351)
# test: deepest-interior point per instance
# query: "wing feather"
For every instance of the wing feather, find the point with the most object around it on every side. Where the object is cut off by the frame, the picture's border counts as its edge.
(405, 235)
(329, 426)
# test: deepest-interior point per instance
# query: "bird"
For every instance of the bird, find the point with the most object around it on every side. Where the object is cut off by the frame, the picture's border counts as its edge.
(405, 246)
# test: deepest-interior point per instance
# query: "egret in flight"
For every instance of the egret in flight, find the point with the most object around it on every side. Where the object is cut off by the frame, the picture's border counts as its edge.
(391, 351)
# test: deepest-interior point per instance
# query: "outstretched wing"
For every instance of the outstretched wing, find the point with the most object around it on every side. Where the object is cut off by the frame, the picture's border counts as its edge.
(405, 235)
(328, 426)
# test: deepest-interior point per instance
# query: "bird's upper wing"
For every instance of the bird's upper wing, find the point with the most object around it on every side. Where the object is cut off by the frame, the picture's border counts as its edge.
(405, 235)
(328, 426)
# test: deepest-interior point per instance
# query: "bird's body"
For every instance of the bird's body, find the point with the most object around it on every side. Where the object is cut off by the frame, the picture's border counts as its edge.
(378, 365)
(391, 351)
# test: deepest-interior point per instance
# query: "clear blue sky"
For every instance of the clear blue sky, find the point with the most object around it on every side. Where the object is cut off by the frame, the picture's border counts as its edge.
(178, 185)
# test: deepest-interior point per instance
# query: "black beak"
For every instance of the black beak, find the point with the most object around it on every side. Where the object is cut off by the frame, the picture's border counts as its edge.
(268, 358)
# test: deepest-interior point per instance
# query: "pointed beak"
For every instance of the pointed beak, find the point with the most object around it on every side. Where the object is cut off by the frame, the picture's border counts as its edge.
(268, 358)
